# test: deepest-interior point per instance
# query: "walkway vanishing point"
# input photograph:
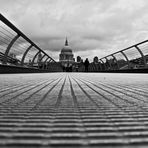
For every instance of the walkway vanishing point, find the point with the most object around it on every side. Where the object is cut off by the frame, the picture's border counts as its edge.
(74, 110)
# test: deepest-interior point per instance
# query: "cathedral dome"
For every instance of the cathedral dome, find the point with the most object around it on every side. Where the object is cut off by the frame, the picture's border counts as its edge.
(66, 48)
(66, 55)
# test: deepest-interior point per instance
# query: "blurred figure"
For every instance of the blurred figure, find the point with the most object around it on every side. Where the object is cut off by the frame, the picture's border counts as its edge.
(86, 64)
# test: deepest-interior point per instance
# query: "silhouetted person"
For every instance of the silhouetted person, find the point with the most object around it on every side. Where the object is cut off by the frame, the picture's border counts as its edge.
(86, 64)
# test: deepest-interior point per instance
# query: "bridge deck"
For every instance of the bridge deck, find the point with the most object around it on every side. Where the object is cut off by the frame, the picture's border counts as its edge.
(73, 110)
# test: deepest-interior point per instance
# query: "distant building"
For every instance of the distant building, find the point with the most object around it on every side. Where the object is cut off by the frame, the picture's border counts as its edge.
(78, 59)
(66, 57)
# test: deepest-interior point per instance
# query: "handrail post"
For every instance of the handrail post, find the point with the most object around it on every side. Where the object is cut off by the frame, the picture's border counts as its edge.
(9, 47)
(142, 56)
(46, 59)
(126, 59)
(116, 61)
(43, 56)
(34, 58)
(24, 55)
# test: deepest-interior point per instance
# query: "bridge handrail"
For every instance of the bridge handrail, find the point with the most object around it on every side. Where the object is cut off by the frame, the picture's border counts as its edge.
(135, 56)
(20, 34)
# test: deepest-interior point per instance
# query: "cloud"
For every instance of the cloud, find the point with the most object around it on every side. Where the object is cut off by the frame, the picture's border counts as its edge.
(97, 26)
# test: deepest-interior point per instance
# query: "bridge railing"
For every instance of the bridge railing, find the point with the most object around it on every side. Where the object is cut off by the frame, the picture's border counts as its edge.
(133, 57)
(17, 49)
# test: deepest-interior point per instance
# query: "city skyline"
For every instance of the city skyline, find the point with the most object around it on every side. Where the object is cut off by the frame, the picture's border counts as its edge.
(100, 27)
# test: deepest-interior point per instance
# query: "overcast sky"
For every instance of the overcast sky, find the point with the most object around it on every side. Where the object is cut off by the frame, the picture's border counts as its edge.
(93, 27)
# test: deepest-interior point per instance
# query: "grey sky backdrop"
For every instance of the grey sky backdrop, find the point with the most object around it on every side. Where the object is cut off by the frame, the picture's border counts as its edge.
(93, 27)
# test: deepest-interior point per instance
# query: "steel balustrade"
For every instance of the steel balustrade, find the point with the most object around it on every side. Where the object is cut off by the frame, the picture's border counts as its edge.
(10, 41)
(131, 60)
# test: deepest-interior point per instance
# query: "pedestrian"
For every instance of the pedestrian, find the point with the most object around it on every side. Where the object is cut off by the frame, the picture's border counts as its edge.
(86, 64)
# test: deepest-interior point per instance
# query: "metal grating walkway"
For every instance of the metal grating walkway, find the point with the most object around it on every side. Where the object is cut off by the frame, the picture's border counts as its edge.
(74, 110)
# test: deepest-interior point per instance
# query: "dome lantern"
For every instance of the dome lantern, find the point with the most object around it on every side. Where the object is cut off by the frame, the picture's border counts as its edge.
(66, 48)
(66, 42)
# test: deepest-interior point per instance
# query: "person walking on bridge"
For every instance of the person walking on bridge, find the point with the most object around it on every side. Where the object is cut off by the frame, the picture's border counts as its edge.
(86, 64)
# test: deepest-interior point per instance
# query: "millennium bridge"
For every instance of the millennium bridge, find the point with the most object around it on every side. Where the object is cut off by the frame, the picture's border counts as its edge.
(41, 106)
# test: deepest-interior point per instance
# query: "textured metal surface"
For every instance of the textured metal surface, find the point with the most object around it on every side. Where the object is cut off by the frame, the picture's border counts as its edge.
(74, 110)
